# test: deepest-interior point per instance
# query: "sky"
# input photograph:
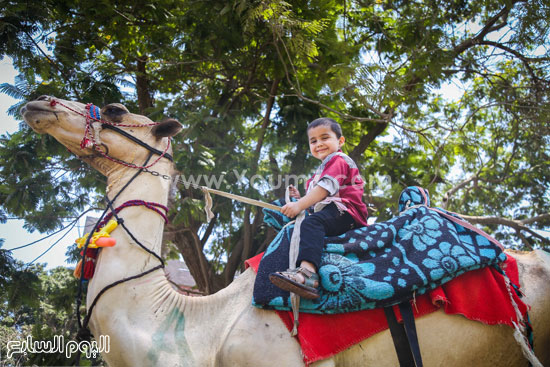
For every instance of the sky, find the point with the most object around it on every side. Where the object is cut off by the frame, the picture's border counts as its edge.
(12, 232)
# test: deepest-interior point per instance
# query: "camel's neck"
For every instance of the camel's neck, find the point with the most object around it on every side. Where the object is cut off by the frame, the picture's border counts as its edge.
(147, 321)
(146, 226)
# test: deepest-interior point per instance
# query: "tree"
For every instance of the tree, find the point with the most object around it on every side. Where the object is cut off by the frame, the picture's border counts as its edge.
(36, 305)
(245, 86)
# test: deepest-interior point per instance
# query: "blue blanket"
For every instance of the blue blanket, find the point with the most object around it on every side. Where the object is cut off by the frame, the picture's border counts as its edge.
(382, 264)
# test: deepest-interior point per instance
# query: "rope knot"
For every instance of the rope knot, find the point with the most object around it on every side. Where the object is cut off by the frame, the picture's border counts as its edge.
(85, 143)
(83, 334)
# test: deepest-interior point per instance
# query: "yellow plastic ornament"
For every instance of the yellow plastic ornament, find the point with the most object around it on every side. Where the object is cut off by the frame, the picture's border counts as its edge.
(102, 233)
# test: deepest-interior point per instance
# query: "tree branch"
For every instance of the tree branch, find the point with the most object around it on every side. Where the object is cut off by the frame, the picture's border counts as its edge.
(524, 239)
(384, 120)
(209, 230)
(517, 54)
(517, 224)
(454, 189)
(489, 27)
(366, 140)
(525, 60)
(233, 261)
(189, 245)
(539, 218)
(249, 228)
(265, 124)
(54, 64)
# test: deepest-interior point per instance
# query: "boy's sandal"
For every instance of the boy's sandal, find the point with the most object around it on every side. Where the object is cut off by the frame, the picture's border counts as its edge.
(288, 281)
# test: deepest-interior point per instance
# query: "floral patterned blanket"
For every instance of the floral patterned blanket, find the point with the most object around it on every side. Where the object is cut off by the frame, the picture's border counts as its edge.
(382, 264)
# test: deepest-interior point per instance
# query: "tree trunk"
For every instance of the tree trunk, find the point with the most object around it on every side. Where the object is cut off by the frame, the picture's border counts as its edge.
(142, 86)
(189, 246)
(248, 231)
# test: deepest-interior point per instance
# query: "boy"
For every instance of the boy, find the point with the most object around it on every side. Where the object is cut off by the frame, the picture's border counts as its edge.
(335, 192)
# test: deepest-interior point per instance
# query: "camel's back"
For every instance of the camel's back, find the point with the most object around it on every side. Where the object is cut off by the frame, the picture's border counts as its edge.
(259, 338)
(534, 268)
(453, 340)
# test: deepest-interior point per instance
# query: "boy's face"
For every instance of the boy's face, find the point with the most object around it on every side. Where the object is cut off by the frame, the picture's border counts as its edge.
(323, 141)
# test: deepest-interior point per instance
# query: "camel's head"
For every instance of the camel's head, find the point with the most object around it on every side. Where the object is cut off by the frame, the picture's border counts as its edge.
(88, 132)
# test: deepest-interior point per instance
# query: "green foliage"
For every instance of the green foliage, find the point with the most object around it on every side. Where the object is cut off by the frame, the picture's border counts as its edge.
(18, 284)
(38, 177)
(218, 66)
(37, 304)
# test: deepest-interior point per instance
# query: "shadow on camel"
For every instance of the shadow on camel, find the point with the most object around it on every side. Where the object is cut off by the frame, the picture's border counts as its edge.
(150, 323)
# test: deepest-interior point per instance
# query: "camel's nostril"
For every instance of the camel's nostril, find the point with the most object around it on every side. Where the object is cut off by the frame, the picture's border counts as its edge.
(43, 98)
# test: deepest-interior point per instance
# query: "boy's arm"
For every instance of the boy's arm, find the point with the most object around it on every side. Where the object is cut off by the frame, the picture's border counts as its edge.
(313, 197)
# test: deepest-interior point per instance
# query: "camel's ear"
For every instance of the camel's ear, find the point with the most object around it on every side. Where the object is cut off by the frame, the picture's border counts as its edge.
(169, 127)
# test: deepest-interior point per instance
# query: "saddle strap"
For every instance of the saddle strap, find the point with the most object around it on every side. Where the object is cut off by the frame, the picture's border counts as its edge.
(404, 335)
(292, 257)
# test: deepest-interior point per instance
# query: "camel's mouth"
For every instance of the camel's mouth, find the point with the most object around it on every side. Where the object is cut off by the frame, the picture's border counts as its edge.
(38, 106)
(39, 114)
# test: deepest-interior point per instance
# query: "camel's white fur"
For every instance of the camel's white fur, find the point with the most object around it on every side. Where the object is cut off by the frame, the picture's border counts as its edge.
(149, 323)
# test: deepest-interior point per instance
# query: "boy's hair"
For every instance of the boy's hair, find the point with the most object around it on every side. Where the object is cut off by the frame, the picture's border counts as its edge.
(326, 121)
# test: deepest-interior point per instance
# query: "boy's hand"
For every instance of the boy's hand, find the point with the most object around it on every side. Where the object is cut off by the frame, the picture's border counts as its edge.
(293, 192)
(291, 209)
(314, 196)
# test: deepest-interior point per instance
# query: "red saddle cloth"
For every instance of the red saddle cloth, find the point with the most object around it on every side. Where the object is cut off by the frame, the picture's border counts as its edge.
(479, 295)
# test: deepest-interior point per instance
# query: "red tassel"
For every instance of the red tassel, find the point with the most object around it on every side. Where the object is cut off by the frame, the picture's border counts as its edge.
(89, 264)
(89, 268)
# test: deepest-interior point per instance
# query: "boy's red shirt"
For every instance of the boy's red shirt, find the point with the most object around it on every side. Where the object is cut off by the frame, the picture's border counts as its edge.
(339, 175)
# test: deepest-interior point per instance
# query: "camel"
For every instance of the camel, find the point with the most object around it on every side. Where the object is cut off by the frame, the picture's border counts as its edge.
(149, 323)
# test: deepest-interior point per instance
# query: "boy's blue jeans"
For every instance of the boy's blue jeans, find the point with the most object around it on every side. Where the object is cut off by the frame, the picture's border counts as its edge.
(315, 227)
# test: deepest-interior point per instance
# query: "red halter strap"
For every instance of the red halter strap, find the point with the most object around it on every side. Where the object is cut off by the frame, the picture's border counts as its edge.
(148, 204)
(88, 140)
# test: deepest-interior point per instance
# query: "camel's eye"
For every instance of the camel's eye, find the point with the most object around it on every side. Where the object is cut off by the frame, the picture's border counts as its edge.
(114, 112)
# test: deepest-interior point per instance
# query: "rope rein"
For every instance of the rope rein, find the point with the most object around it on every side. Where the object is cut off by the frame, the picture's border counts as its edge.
(89, 140)
(83, 332)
